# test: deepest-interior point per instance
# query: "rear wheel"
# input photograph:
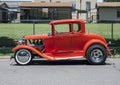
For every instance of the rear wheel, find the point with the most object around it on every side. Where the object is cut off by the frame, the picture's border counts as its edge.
(96, 54)
(23, 57)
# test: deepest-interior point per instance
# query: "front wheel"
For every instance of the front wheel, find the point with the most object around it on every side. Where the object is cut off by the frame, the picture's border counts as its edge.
(96, 54)
(23, 57)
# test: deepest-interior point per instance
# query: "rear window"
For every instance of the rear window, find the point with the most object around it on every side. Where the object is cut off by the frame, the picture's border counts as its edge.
(76, 27)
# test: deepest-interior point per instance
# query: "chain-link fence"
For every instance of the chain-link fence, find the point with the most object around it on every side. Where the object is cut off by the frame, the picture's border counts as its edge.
(10, 33)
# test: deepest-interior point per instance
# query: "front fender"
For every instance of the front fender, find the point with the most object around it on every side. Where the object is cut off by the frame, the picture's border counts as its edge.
(33, 50)
(94, 41)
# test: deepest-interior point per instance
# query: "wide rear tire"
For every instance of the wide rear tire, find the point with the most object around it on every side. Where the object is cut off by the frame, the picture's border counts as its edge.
(96, 54)
(23, 57)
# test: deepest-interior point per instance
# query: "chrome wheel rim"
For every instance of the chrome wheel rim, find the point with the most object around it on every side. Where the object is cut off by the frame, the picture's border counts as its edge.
(97, 55)
(23, 56)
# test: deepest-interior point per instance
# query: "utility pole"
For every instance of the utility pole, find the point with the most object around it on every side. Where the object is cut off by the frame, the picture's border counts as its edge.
(80, 4)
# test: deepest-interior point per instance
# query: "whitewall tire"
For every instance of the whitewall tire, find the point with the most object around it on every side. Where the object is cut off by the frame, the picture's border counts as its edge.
(23, 57)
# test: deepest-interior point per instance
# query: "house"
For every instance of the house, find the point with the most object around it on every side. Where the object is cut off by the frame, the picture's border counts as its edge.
(24, 10)
(14, 12)
(3, 12)
(45, 11)
(58, 9)
(108, 12)
(81, 9)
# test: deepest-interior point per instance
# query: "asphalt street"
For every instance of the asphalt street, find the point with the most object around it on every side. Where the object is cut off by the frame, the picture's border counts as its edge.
(67, 72)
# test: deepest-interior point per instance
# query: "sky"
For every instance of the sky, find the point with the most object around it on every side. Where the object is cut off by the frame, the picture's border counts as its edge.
(31, 0)
(100, 0)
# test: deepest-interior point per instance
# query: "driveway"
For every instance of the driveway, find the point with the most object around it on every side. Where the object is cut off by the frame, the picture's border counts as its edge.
(70, 72)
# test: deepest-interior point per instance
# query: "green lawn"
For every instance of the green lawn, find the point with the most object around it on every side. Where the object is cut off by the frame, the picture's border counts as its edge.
(13, 32)
(16, 31)
(104, 30)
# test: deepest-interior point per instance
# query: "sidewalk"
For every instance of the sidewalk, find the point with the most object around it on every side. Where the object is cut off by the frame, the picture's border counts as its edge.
(5, 57)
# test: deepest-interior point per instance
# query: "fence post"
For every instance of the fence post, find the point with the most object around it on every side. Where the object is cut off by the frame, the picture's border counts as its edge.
(33, 27)
(112, 31)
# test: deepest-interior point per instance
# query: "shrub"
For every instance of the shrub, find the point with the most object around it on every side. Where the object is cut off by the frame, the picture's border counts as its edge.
(7, 42)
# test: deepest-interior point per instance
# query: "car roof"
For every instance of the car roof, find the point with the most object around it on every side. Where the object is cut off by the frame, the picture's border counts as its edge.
(66, 21)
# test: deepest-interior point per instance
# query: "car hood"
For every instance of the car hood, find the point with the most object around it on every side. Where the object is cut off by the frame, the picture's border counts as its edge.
(41, 36)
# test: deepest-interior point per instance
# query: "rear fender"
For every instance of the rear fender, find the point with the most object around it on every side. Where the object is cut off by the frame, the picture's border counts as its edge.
(33, 50)
(91, 42)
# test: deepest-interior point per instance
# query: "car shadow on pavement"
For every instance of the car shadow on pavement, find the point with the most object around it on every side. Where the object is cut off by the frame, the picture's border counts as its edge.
(60, 62)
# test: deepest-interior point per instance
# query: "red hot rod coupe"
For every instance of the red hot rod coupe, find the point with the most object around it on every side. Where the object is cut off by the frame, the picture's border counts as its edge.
(67, 40)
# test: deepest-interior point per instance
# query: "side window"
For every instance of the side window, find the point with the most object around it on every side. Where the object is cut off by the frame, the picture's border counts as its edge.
(77, 27)
(62, 28)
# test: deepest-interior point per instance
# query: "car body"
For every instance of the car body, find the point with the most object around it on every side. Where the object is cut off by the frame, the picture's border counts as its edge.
(67, 40)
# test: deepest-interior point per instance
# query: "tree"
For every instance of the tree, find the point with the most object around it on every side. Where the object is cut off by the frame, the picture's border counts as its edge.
(111, 0)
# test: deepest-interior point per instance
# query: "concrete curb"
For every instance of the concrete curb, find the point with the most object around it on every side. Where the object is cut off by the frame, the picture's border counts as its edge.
(4, 57)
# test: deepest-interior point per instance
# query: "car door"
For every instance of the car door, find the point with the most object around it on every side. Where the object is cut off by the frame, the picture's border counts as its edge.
(62, 38)
(77, 38)
(62, 43)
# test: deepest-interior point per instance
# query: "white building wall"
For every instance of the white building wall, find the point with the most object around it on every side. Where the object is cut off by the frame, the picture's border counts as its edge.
(108, 14)
(90, 13)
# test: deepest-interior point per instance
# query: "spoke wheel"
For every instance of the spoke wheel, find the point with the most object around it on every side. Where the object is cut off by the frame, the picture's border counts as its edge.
(23, 57)
(96, 54)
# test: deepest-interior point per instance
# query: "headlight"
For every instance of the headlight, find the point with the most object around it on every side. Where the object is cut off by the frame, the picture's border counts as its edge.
(21, 41)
